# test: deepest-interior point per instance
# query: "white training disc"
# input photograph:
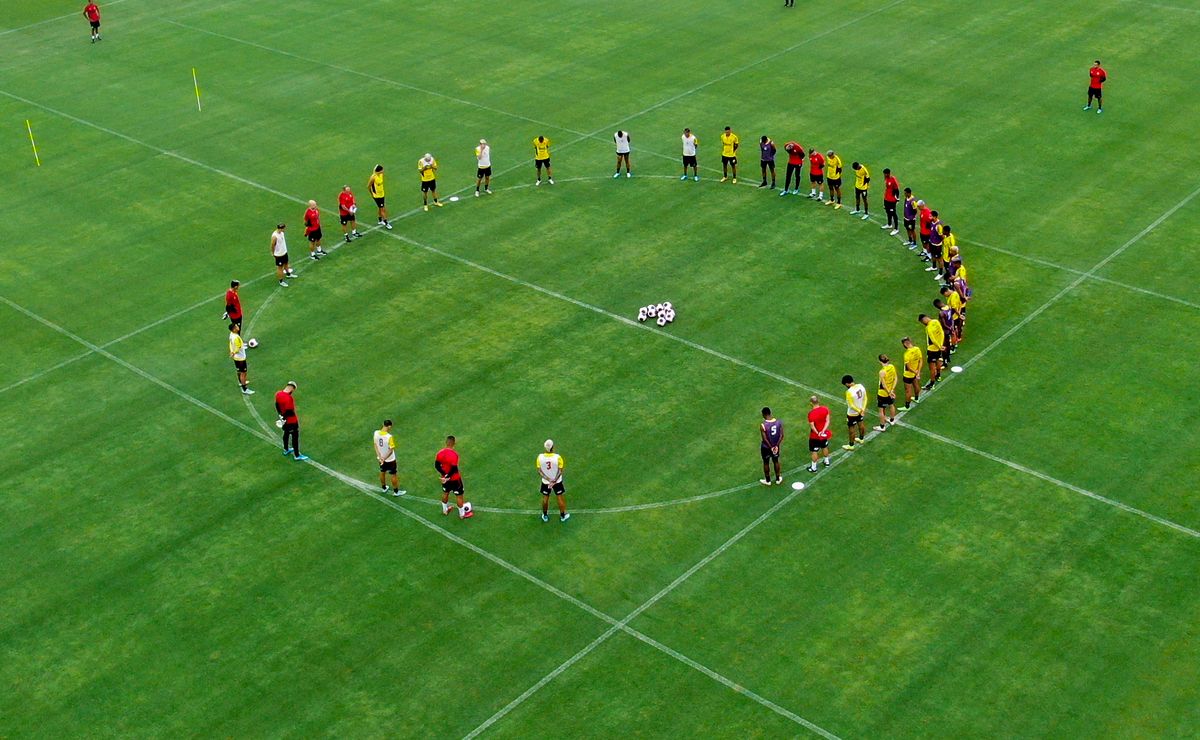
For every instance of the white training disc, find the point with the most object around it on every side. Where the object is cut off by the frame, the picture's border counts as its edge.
(453, 198)
(956, 369)
(798, 486)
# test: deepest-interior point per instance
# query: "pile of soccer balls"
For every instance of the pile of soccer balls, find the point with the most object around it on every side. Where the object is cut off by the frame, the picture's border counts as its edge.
(663, 313)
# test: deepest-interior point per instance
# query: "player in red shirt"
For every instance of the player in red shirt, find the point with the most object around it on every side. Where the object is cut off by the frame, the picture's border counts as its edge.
(312, 231)
(818, 432)
(92, 12)
(816, 174)
(1096, 82)
(446, 464)
(891, 196)
(233, 304)
(285, 406)
(926, 217)
(795, 166)
(347, 213)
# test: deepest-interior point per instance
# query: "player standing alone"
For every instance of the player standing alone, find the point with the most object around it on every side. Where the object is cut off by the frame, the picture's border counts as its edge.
(312, 231)
(622, 141)
(92, 12)
(771, 431)
(375, 188)
(1097, 78)
(550, 466)
(233, 304)
(690, 142)
(285, 406)
(385, 451)
(541, 158)
(483, 167)
(446, 464)
(818, 432)
(348, 214)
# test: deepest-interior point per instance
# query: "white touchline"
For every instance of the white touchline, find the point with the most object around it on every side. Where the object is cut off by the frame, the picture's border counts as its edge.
(621, 625)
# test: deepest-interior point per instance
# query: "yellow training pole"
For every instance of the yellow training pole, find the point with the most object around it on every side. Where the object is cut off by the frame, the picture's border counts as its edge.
(33, 143)
(196, 84)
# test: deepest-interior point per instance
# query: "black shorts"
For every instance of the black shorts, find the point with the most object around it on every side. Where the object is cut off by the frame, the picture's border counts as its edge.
(689, 160)
(946, 354)
(767, 454)
(862, 192)
(914, 380)
(910, 223)
(816, 179)
(889, 206)
(932, 355)
(1092, 91)
(453, 486)
(388, 467)
(816, 445)
(314, 236)
(882, 402)
(281, 260)
(728, 160)
(958, 325)
(835, 182)
(852, 420)
(240, 365)
(925, 239)
(542, 163)
(95, 25)
(428, 186)
(378, 202)
(483, 172)
(555, 488)
(347, 218)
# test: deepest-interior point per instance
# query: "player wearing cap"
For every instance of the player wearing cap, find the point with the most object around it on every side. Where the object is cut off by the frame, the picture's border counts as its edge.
(279, 253)
(818, 432)
(446, 465)
(550, 467)
(856, 409)
(233, 304)
(771, 431)
(285, 406)
(729, 146)
(483, 167)
(385, 451)
(237, 351)
(541, 158)
(375, 188)
(886, 398)
(621, 140)
(427, 168)
(912, 372)
(833, 174)
(312, 231)
(348, 214)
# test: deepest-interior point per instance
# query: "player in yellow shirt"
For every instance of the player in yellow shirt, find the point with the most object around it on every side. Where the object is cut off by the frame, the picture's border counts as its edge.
(954, 301)
(375, 188)
(936, 344)
(862, 187)
(550, 467)
(541, 158)
(385, 450)
(886, 395)
(833, 176)
(729, 147)
(949, 241)
(856, 410)
(427, 168)
(912, 372)
(237, 352)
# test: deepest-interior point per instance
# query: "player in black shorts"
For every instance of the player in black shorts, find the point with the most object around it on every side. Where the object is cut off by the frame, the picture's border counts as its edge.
(771, 431)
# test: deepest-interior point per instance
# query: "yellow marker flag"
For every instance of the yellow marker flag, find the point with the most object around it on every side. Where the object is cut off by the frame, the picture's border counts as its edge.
(196, 84)
(33, 143)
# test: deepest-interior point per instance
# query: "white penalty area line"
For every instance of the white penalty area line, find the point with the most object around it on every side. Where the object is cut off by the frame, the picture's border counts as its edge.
(621, 625)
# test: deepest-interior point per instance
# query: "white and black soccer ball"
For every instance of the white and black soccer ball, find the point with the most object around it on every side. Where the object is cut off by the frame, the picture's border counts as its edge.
(667, 305)
(279, 423)
(642, 314)
(466, 507)
(662, 307)
(662, 320)
(652, 311)
(670, 314)
(252, 343)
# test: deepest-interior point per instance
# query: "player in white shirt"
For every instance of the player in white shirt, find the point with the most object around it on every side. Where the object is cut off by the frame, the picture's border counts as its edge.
(856, 409)
(280, 254)
(385, 451)
(483, 171)
(621, 139)
(550, 468)
(237, 351)
(690, 142)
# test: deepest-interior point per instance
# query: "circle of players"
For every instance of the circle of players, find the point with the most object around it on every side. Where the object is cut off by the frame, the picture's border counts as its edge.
(938, 247)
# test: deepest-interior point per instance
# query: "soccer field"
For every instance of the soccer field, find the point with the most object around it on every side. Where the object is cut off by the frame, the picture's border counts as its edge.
(1018, 557)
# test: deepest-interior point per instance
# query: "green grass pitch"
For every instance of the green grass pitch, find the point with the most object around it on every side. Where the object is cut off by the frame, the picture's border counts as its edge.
(1019, 558)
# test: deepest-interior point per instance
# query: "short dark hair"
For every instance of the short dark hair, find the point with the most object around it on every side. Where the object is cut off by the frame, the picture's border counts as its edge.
(387, 422)
(945, 228)
(908, 190)
(847, 379)
(922, 317)
(855, 165)
(887, 171)
(906, 339)
(933, 213)
(946, 290)
(234, 325)
(937, 303)
(1097, 61)
(234, 283)
(884, 358)
(728, 129)
(766, 411)
(281, 226)
(379, 168)
(450, 438)
(764, 138)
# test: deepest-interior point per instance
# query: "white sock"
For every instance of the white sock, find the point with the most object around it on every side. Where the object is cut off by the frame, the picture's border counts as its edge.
(445, 508)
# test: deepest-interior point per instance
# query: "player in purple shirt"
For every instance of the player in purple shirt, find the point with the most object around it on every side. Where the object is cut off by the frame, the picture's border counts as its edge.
(771, 431)
(910, 218)
(767, 160)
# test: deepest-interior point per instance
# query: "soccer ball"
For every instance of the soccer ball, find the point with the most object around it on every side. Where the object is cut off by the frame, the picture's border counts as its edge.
(662, 320)
(279, 423)
(252, 343)
(466, 507)
(661, 307)
(353, 210)
(667, 305)
(642, 314)
(670, 314)
(652, 311)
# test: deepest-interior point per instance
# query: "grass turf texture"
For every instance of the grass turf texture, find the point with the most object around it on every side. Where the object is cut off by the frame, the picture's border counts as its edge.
(170, 573)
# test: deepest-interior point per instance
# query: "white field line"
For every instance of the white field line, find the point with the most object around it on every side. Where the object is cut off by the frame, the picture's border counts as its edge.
(621, 625)
(107, 4)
